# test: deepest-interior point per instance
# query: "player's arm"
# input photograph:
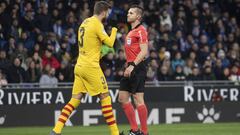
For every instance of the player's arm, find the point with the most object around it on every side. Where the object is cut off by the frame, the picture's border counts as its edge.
(109, 41)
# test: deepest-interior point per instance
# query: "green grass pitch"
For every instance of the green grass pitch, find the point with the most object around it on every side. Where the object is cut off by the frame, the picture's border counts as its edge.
(162, 129)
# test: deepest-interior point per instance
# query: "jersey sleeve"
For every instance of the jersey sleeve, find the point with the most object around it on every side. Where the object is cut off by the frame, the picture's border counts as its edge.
(143, 36)
(101, 33)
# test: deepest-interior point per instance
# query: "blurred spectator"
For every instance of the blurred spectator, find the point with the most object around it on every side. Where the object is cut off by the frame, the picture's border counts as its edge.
(226, 74)
(165, 19)
(53, 42)
(235, 74)
(33, 72)
(27, 41)
(40, 41)
(43, 20)
(37, 60)
(195, 76)
(120, 60)
(222, 57)
(162, 53)
(4, 61)
(179, 75)
(15, 29)
(48, 78)
(15, 73)
(108, 61)
(2, 38)
(72, 35)
(208, 74)
(48, 58)
(177, 61)
(181, 41)
(57, 28)
(109, 74)
(70, 21)
(152, 70)
(234, 54)
(218, 70)
(20, 52)
(63, 72)
(193, 57)
(203, 54)
(27, 22)
(163, 74)
(188, 67)
(4, 17)
(166, 62)
(63, 54)
(3, 80)
(11, 46)
(153, 55)
(119, 74)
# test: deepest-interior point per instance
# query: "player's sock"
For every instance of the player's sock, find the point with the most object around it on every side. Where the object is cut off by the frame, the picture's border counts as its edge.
(143, 113)
(66, 112)
(108, 115)
(130, 113)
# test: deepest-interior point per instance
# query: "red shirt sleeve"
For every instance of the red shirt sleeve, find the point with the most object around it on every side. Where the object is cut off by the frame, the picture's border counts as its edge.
(143, 36)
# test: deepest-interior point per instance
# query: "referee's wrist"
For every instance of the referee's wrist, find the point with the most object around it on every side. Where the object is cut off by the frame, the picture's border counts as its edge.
(133, 64)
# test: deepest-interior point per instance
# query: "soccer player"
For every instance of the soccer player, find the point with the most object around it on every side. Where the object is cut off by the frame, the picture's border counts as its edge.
(89, 77)
(132, 83)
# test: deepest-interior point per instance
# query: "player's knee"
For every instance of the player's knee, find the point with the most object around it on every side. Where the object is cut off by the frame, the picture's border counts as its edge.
(78, 96)
(103, 95)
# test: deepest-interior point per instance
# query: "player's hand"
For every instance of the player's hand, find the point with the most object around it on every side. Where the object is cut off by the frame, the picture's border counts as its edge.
(128, 71)
(114, 29)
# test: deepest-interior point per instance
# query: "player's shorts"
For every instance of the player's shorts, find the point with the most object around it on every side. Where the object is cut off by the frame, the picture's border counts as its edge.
(89, 80)
(135, 83)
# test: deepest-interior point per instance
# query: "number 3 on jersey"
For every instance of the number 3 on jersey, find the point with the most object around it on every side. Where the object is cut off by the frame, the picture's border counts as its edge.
(80, 36)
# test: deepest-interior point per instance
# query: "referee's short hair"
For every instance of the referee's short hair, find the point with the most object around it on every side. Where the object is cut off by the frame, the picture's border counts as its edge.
(100, 7)
(140, 9)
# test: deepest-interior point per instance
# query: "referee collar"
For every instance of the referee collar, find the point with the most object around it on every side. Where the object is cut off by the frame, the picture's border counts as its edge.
(136, 26)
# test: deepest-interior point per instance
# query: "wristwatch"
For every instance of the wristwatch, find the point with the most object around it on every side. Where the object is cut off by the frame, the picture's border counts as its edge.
(133, 64)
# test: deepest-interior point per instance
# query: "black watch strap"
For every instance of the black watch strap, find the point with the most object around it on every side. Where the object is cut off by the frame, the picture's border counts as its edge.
(132, 63)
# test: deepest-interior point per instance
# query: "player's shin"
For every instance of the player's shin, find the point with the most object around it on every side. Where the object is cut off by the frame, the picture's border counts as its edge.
(109, 116)
(66, 112)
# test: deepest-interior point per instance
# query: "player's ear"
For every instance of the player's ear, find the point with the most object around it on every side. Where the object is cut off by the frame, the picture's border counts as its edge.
(102, 13)
(105, 13)
(139, 17)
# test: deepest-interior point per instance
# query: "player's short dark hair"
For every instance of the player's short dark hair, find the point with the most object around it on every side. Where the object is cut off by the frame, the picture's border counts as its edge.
(101, 6)
(140, 9)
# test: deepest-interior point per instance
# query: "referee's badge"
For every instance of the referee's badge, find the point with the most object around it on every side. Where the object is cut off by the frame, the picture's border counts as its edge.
(129, 41)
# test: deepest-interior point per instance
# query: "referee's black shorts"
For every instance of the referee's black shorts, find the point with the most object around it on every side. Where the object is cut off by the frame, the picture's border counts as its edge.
(135, 83)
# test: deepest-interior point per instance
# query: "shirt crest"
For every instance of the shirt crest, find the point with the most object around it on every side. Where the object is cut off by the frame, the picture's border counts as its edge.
(129, 41)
